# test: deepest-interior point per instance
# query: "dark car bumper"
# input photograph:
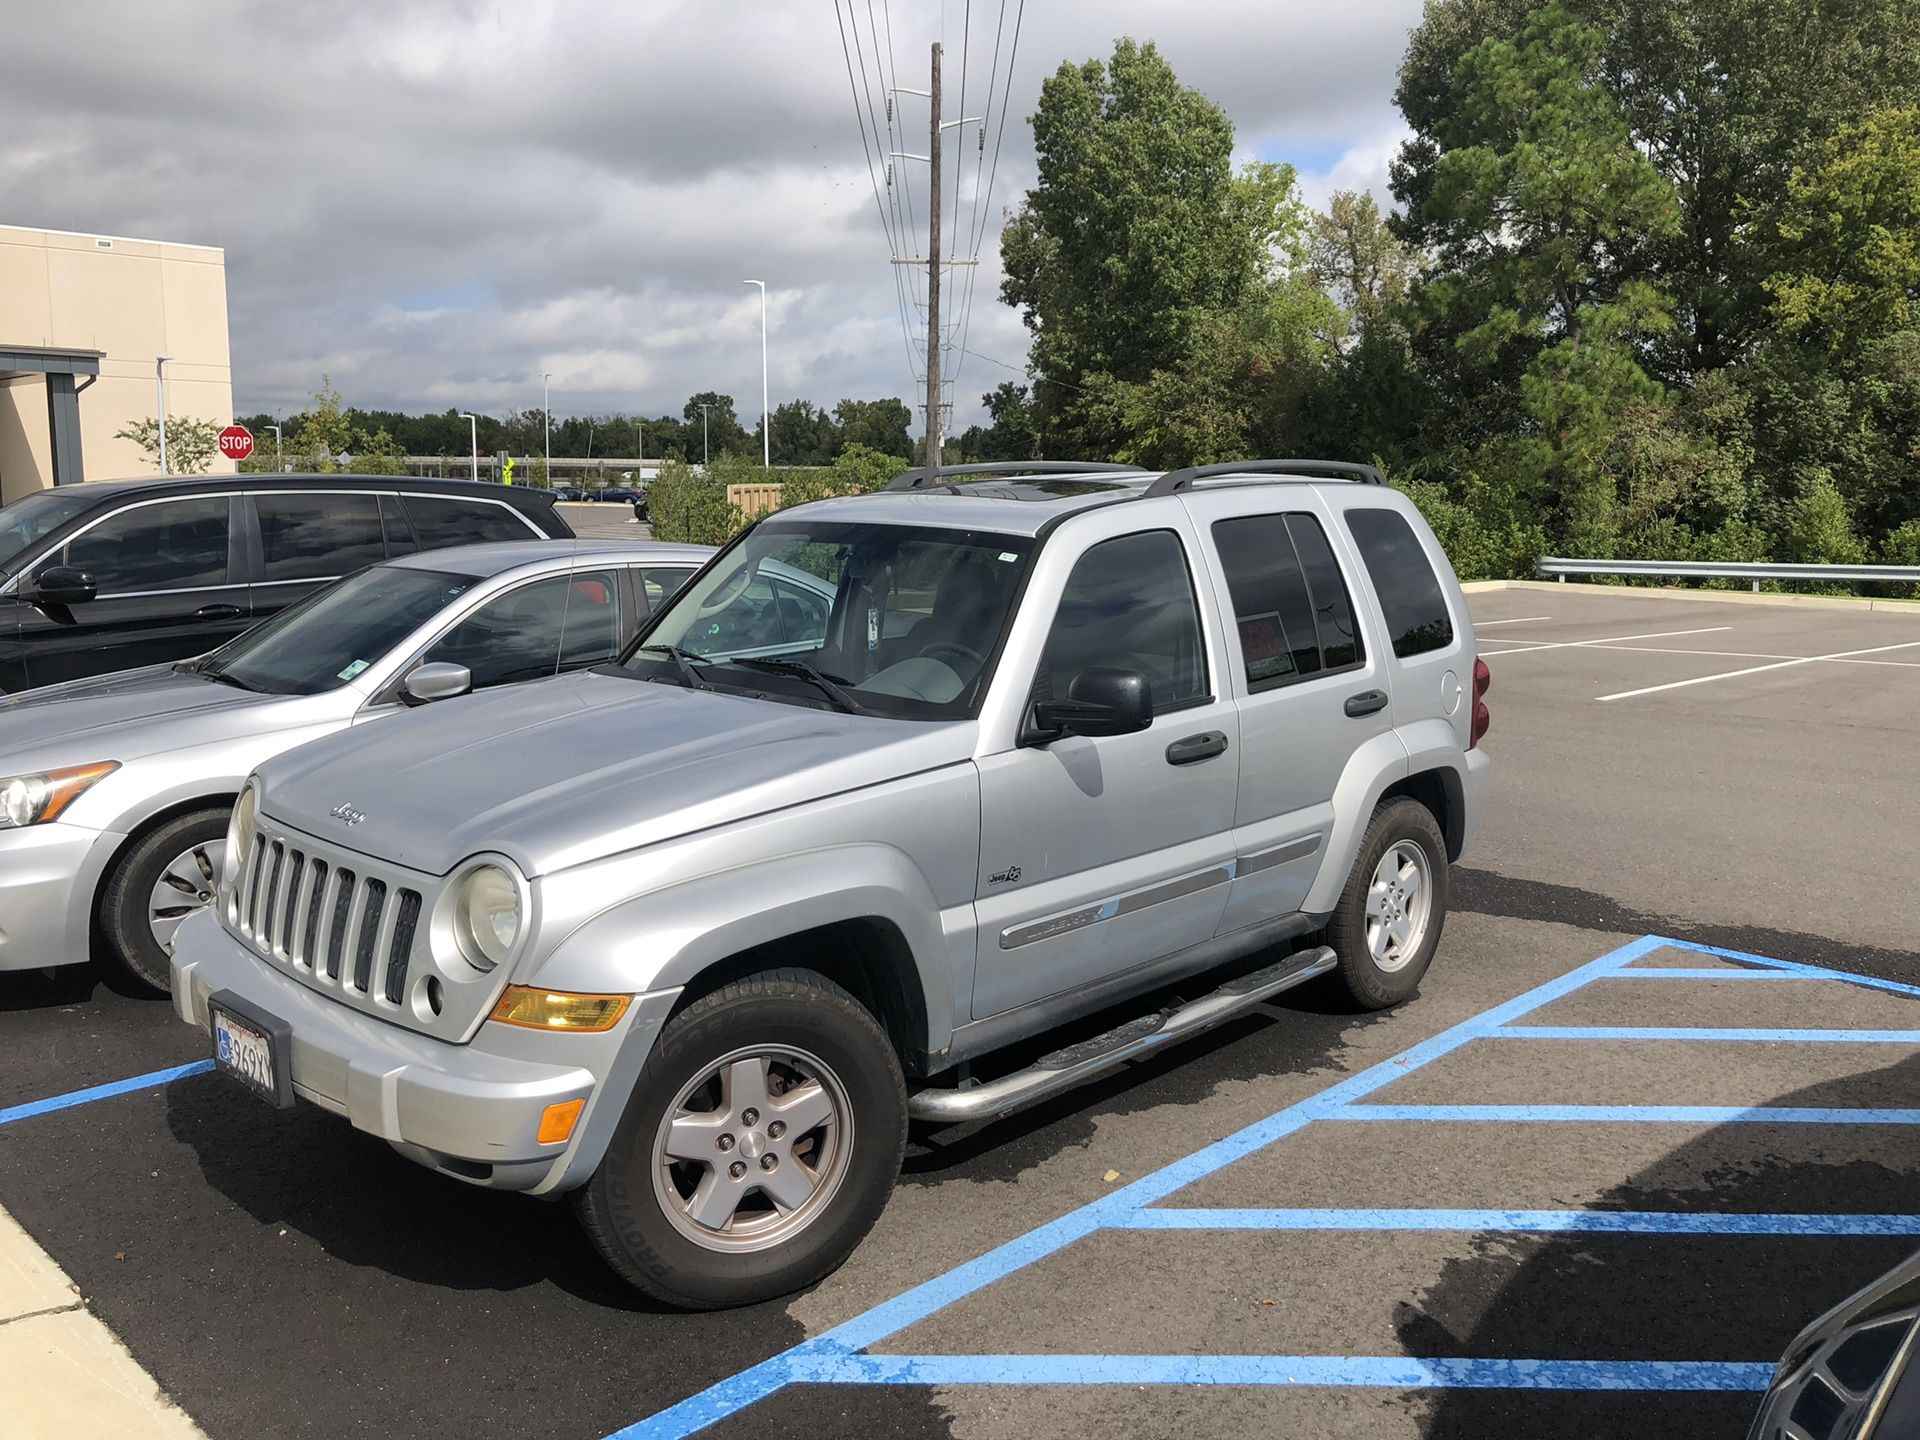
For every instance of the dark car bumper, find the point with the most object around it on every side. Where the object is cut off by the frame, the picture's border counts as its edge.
(1852, 1374)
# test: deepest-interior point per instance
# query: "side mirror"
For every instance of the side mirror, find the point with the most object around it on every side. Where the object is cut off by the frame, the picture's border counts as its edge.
(1100, 701)
(64, 585)
(435, 681)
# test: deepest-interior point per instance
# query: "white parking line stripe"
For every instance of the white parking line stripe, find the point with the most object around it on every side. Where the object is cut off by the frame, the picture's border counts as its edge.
(1614, 639)
(1518, 620)
(1756, 655)
(1758, 669)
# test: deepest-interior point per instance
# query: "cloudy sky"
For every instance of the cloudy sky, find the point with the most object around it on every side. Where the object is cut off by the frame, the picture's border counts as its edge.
(434, 201)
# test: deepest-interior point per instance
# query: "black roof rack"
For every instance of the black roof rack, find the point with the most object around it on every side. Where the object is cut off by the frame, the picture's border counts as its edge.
(1174, 481)
(926, 475)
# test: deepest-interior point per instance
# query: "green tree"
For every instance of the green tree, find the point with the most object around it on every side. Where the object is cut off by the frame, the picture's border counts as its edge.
(1010, 435)
(1355, 256)
(191, 443)
(1137, 231)
(724, 434)
(882, 425)
(803, 435)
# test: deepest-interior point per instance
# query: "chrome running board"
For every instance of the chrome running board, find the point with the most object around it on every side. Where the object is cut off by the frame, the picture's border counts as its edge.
(1075, 1064)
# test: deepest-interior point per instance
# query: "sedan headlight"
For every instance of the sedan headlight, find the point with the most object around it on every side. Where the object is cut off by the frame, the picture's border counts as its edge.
(36, 799)
(487, 916)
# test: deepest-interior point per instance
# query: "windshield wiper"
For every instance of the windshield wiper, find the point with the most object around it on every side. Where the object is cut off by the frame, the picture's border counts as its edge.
(682, 661)
(789, 666)
(221, 677)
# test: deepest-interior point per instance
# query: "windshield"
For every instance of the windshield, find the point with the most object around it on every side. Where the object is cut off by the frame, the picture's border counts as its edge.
(336, 633)
(31, 518)
(895, 620)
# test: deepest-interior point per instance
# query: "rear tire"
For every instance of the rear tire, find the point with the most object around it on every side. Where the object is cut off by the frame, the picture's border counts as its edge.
(666, 1209)
(1388, 921)
(167, 875)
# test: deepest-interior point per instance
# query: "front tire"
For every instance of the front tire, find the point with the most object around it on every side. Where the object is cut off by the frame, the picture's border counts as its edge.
(168, 875)
(1388, 922)
(759, 1147)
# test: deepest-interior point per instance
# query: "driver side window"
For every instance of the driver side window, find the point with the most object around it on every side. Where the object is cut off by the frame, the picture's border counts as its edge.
(1129, 605)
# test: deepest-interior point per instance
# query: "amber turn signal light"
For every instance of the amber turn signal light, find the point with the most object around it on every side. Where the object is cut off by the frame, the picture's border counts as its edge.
(534, 1008)
(557, 1121)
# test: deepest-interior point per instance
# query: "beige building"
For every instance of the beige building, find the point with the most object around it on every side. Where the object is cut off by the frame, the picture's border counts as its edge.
(83, 321)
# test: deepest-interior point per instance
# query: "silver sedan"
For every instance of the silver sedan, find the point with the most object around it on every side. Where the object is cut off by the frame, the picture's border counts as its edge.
(115, 790)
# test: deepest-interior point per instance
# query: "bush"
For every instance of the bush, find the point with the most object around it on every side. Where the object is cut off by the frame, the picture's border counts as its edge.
(691, 509)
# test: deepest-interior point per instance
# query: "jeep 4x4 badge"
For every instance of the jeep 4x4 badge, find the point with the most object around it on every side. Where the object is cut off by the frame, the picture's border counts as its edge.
(346, 814)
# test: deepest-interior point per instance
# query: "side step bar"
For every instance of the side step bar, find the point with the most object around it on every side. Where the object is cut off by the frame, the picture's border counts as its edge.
(1064, 1069)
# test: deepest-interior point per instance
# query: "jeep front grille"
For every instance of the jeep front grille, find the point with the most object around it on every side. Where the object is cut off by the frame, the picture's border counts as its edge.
(332, 924)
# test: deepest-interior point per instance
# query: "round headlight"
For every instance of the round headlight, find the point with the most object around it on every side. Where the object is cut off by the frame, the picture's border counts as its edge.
(241, 828)
(486, 916)
(20, 799)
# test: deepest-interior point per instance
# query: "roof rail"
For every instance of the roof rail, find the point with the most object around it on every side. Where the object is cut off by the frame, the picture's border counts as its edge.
(1175, 481)
(925, 476)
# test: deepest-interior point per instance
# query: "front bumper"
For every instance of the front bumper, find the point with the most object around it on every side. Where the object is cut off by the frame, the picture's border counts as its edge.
(48, 874)
(472, 1111)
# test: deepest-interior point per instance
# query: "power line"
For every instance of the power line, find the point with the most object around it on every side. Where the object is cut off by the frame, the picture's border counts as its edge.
(861, 121)
(983, 208)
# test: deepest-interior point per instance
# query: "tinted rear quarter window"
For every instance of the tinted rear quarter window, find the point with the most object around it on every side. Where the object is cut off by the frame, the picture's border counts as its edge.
(1290, 604)
(1409, 591)
(440, 521)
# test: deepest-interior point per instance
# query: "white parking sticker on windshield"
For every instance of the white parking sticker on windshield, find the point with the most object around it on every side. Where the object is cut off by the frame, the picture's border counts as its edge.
(354, 669)
(873, 628)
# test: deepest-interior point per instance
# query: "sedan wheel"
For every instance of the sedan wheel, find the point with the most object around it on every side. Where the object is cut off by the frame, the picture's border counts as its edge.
(185, 887)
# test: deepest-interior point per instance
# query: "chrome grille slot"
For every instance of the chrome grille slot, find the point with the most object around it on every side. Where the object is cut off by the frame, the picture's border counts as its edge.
(264, 930)
(337, 929)
(256, 867)
(316, 897)
(400, 950)
(369, 934)
(290, 907)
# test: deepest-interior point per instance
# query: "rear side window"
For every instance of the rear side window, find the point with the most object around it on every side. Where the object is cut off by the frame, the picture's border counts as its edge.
(1410, 594)
(439, 522)
(1290, 604)
(311, 537)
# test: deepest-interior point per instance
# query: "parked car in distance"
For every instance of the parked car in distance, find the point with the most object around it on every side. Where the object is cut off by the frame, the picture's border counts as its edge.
(565, 493)
(617, 495)
(723, 916)
(114, 574)
(1851, 1374)
(115, 790)
(640, 507)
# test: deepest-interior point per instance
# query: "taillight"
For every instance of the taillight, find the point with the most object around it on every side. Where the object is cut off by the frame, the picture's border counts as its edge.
(1482, 717)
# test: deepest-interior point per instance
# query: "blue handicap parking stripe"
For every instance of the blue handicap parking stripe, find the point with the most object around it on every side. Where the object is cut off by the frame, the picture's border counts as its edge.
(1544, 1222)
(1623, 1114)
(1699, 1033)
(1792, 969)
(150, 1081)
(1682, 972)
(1381, 1371)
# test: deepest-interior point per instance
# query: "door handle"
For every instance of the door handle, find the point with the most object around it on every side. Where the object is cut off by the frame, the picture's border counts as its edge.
(1366, 703)
(218, 612)
(1195, 748)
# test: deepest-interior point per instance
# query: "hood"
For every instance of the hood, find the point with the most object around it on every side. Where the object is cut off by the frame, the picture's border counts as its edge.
(560, 772)
(117, 717)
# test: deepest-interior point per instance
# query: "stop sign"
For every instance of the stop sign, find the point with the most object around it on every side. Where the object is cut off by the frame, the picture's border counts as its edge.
(236, 442)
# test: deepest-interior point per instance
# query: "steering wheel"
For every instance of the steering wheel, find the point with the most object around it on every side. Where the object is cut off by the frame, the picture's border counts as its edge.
(953, 647)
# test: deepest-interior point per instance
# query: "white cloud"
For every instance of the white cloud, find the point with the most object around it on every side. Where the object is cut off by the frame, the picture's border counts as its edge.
(436, 200)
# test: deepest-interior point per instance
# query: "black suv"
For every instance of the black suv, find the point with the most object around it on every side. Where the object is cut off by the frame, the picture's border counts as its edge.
(117, 573)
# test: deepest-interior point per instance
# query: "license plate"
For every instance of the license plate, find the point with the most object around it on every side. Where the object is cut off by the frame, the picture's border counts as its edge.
(252, 1048)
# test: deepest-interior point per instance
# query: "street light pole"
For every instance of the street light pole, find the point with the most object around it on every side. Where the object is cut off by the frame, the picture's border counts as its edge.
(546, 428)
(766, 420)
(703, 437)
(473, 436)
(160, 406)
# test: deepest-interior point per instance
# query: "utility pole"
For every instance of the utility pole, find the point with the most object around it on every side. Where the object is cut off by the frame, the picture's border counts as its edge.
(933, 267)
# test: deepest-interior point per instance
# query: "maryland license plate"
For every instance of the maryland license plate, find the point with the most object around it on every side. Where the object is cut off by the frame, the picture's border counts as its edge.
(252, 1048)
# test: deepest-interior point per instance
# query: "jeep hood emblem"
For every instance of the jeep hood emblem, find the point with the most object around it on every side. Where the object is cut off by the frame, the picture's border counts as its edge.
(347, 814)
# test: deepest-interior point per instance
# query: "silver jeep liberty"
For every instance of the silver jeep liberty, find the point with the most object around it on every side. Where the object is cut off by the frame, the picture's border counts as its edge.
(692, 936)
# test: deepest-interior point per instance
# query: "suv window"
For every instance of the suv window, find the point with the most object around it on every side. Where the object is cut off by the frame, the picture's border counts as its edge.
(172, 545)
(517, 636)
(439, 521)
(660, 582)
(310, 537)
(1290, 605)
(1129, 604)
(1403, 577)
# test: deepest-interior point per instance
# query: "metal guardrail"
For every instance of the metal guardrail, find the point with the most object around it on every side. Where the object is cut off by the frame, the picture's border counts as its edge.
(1560, 569)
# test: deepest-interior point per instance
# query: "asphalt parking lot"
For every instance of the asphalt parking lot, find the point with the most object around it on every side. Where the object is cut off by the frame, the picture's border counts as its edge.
(1651, 1112)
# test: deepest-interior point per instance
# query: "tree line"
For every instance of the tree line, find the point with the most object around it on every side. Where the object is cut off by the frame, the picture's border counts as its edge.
(1651, 286)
